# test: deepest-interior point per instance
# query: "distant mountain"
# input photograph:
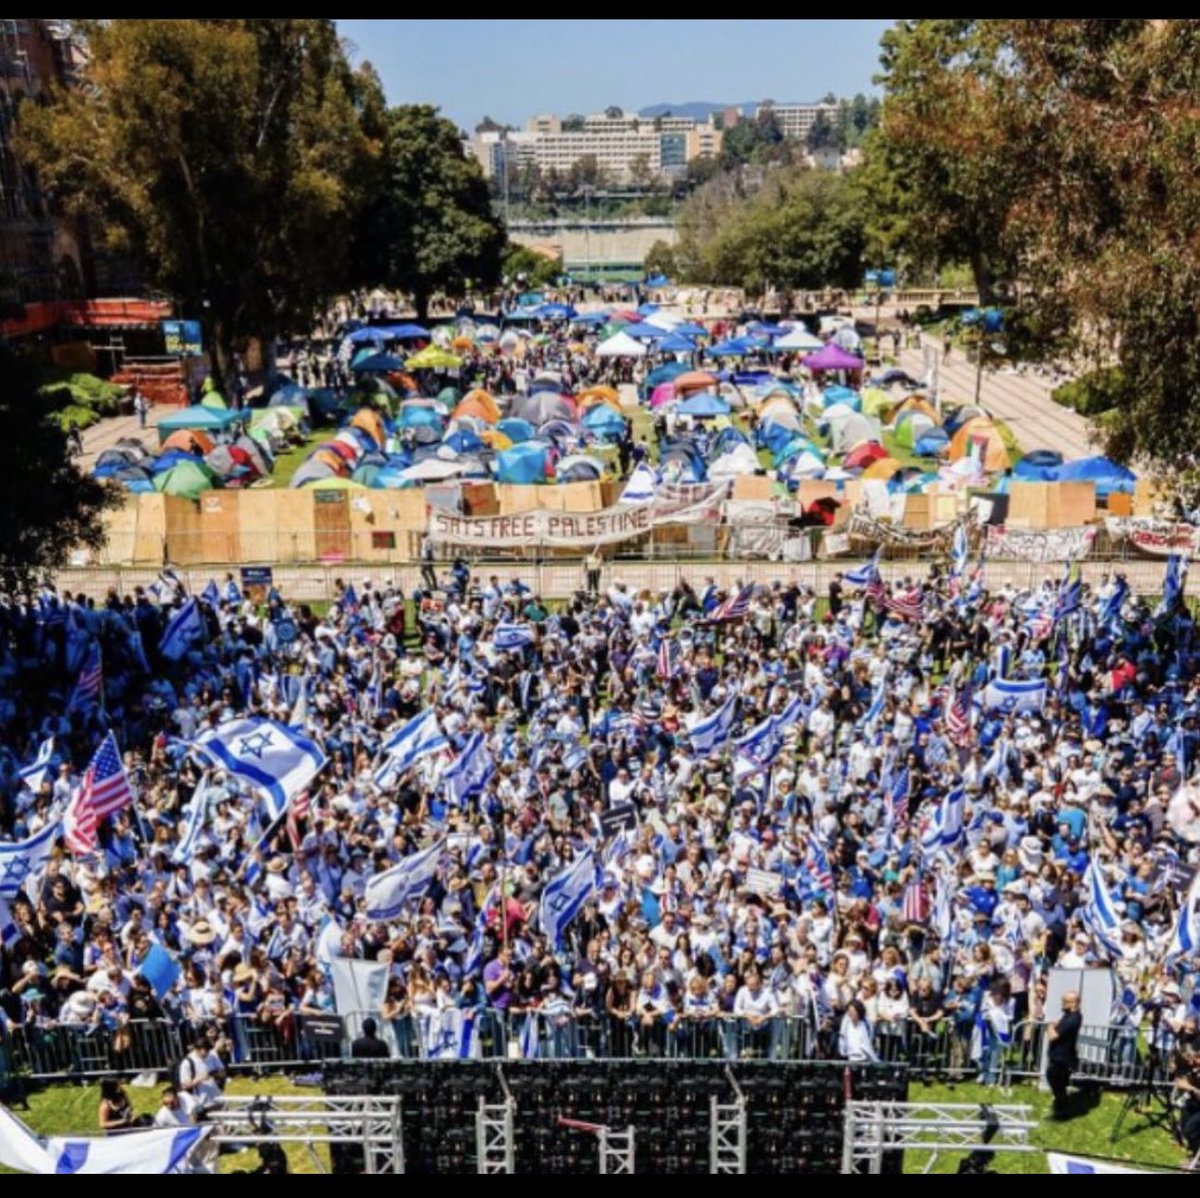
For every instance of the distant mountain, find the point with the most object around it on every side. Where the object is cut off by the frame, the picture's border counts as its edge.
(698, 110)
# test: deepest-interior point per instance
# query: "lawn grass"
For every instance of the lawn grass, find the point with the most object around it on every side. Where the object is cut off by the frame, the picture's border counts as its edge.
(1085, 1135)
(286, 464)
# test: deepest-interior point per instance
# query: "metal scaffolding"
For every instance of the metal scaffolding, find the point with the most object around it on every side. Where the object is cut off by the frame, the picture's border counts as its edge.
(727, 1131)
(494, 1144)
(874, 1128)
(368, 1122)
(616, 1150)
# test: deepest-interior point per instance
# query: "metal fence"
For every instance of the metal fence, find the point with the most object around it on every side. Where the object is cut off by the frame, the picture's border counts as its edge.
(1109, 1056)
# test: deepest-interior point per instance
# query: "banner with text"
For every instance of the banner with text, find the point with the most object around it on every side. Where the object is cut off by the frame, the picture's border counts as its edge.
(672, 505)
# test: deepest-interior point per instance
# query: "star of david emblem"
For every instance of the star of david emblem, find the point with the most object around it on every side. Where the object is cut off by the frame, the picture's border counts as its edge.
(558, 902)
(16, 869)
(256, 745)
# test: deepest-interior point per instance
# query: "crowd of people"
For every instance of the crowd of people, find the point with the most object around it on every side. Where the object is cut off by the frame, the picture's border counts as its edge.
(862, 823)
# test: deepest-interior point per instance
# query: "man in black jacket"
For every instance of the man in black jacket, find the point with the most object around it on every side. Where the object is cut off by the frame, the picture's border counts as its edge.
(1063, 1056)
(369, 1046)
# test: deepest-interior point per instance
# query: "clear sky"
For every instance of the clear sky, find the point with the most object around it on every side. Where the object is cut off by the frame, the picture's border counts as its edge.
(509, 70)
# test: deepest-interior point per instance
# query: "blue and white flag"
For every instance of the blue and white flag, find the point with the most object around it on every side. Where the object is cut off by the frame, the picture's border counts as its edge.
(270, 757)
(565, 895)
(867, 573)
(469, 772)
(1061, 1163)
(761, 744)
(449, 1034)
(1098, 913)
(232, 593)
(193, 827)
(960, 551)
(641, 487)
(1015, 695)
(878, 698)
(386, 893)
(713, 730)
(509, 637)
(211, 595)
(34, 774)
(421, 737)
(529, 1036)
(945, 832)
(158, 1150)
(10, 934)
(1185, 939)
(1174, 580)
(24, 859)
(943, 909)
(183, 629)
(1110, 609)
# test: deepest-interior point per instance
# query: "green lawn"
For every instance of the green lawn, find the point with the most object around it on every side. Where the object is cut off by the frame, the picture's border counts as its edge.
(1086, 1134)
(286, 464)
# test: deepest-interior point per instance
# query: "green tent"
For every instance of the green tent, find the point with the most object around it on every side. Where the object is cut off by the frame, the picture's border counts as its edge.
(210, 397)
(450, 397)
(188, 480)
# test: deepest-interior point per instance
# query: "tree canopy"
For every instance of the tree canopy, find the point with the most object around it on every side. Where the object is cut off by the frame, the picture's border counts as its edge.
(228, 156)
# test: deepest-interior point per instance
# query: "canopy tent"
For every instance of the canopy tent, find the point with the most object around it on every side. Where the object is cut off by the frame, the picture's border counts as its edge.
(523, 463)
(404, 332)
(621, 345)
(833, 357)
(381, 363)
(644, 331)
(197, 416)
(798, 340)
(433, 358)
(210, 397)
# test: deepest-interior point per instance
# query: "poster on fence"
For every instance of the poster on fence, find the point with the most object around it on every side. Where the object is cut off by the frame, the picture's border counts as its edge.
(1040, 545)
(608, 526)
(1153, 538)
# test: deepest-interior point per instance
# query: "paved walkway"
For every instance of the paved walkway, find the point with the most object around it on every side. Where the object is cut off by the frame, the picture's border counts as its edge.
(108, 432)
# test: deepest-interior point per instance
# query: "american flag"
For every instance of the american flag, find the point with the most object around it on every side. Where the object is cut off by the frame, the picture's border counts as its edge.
(818, 865)
(104, 789)
(907, 607)
(668, 657)
(736, 607)
(89, 688)
(916, 902)
(898, 799)
(958, 717)
(1041, 626)
(297, 811)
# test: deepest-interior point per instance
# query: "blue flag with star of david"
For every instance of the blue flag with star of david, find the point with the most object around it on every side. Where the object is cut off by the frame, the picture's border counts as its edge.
(23, 859)
(271, 758)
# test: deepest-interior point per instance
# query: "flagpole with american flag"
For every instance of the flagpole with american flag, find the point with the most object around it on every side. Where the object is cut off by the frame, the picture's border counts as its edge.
(89, 687)
(104, 790)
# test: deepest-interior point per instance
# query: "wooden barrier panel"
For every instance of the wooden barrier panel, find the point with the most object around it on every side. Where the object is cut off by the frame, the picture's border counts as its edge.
(220, 529)
(184, 532)
(294, 520)
(258, 527)
(1072, 504)
(151, 530)
(120, 531)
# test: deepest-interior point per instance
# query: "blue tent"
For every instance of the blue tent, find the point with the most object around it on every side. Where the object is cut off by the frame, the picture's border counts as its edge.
(1041, 458)
(464, 441)
(368, 335)
(674, 343)
(414, 415)
(522, 464)
(734, 347)
(647, 309)
(1108, 476)
(555, 312)
(377, 362)
(405, 332)
(664, 374)
(602, 421)
(775, 436)
(516, 430)
(846, 395)
(657, 281)
(931, 443)
(690, 328)
(646, 332)
(592, 318)
(703, 404)
(1030, 470)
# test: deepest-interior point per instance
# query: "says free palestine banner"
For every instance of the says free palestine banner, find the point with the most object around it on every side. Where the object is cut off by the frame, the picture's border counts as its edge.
(565, 529)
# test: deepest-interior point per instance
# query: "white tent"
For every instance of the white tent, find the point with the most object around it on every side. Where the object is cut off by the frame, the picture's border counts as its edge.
(664, 320)
(739, 460)
(621, 345)
(436, 469)
(799, 339)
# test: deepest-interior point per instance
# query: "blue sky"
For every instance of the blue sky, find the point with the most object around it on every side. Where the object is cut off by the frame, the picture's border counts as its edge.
(510, 70)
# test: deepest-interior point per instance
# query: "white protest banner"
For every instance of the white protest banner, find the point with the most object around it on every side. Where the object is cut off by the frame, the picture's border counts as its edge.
(765, 882)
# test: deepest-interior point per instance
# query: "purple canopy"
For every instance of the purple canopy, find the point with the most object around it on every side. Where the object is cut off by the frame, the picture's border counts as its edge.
(833, 357)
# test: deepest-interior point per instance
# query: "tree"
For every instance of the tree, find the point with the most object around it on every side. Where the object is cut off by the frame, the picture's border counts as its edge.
(614, 112)
(53, 506)
(529, 268)
(641, 174)
(487, 125)
(573, 123)
(822, 135)
(431, 227)
(660, 260)
(228, 157)
(586, 171)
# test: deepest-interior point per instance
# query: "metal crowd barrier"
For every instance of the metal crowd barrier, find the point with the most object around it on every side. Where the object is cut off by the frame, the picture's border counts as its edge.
(1108, 1056)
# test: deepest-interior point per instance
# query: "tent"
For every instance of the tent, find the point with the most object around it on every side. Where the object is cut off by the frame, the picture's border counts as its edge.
(644, 331)
(464, 441)
(544, 406)
(875, 400)
(734, 462)
(380, 363)
(703, 405)
(260, 458)
(680, 463)
(370, 422)
(210, 397)
(914, 403)
(662, 395)
(578, 468)
(911, 427)
(416, 413)
(981, 438)
(197, 416)
(433, 470)
(621, 345)
(523, 463)
(883, 467)
(794, 447)
(517, 430)
(602, 421)
(433, 358)
(798, 340)
(664, 374)
(187, 479)
(833, 357)
(932, 443)
(1107, 475)
(864, 454)
(694, 380)
(189, 440)
(599, 394)
(479, 404)
(561, 430)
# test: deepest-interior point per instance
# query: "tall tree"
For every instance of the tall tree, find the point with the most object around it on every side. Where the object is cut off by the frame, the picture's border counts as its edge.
(226, 155)
(431, 227)
(53, 507)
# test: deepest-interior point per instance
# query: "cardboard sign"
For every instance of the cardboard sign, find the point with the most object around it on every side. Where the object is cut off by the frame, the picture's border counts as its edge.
(618, 816)
(765, 882)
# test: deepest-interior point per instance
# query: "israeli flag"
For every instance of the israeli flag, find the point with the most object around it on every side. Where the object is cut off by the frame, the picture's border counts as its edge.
(509, 637)
(160, 1150)
(469, 772)
(960, 551)
(713, 730)
(867, 573)
(1098, 912)
(1174, 580)
(1061, 1163)
(872, 714)
(565, 895)
(945, 831)
(10, 934)
(641, 487)
(193, 827)
(421, 737)
(211, 595)
(943, 910)
(449, 1035)
(1016, 695)
(761, 743)
(24, 859)
(184, 628)
(270, 757)
(34, 774)
(1186, 937)
(386, 893)
(529, 1036)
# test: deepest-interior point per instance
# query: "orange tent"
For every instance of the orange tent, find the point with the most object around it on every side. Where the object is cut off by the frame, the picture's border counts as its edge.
(594, 395)
(982, 432)
(461, 343)
(479, 404)
(189, 440)
(495, 438)
(692, 381)
(882, 468)
(371, 423)
(914, 403)
(333, 460)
